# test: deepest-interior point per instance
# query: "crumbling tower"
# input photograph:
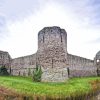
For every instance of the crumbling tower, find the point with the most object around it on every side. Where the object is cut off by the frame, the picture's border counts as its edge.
(52, 53)
(97, 62)
(5, 59)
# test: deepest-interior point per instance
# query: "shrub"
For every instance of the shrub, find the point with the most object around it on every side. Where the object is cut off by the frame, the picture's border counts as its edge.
(37, 73)
(3, 71)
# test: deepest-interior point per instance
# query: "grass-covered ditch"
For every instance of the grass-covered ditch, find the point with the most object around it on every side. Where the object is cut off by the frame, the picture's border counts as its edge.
(73, 89)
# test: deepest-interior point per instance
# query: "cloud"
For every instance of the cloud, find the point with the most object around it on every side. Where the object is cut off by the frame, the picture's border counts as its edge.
(85, 11)
(18, 9)
(3, 28)
(24, 18)
(95, 41)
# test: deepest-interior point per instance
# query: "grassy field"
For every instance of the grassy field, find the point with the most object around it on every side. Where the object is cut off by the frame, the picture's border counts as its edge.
(72, 87)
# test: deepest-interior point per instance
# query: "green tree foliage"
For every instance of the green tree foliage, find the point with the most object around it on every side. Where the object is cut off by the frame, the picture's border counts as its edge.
(37, 73)
(3, 71)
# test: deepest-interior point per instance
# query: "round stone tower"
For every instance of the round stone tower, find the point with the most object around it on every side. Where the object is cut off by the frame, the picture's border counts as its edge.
(52, 53)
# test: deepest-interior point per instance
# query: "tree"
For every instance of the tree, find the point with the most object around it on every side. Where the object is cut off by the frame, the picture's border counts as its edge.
(37, 73)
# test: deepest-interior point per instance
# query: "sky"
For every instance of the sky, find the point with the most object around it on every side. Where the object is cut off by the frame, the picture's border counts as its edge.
(21, 20)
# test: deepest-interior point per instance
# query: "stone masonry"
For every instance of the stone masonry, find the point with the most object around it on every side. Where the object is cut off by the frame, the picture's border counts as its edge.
(57, 64)
(52, 53)
(79, 66)
(97, 62)
(5, 59)
(22, 65)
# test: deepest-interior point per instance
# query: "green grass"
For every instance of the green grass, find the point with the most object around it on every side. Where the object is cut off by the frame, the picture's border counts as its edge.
(25, 85)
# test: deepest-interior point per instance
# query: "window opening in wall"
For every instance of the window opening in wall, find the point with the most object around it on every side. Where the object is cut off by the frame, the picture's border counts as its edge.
(19, 73)
(38, 61)
(43, 38)
(98, 60)
(61, 37)
(52, 63)
(68, 71)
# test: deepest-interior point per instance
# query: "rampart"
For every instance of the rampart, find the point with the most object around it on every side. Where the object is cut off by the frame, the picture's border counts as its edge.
(57, 64)
(79, 66)
(23, 65)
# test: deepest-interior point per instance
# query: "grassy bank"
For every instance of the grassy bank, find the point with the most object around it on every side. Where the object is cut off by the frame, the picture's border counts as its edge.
(71, 88)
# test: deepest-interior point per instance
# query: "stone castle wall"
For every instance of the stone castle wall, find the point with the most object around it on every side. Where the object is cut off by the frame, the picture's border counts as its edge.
(57, 65)
(22, 65)
(79, 66)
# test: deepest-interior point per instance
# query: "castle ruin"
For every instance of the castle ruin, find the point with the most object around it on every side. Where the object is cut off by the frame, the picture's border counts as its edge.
(52, 55)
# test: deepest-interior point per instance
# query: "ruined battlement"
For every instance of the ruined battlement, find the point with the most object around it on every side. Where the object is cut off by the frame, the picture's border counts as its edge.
(74, 60)
(5, 59)
(22, 65)
(52, 53)
(79, 66)
(52, 47)
(50, 37)
(56, 63)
